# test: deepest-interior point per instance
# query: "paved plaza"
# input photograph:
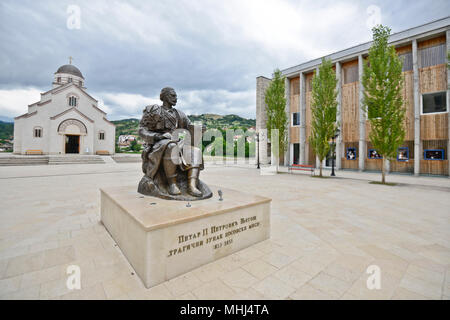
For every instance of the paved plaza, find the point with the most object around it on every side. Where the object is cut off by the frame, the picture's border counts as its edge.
(325, 234)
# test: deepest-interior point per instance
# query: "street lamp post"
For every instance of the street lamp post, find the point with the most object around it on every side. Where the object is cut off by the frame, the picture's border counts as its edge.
(336, 134)
(257, 150)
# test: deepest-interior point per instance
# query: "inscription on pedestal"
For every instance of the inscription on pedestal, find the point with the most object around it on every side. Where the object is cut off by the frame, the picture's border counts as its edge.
(215, 236)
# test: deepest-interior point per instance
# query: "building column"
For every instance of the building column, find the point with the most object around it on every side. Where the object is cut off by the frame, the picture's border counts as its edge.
(339, 116)
(287, 94)
(302, 119)
(317, 158)
(291, 153)
(448, 101)
(417, 153)
(261, 118)
(362, 118)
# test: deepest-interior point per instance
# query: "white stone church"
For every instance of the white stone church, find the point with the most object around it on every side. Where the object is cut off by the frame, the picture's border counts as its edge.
(66, 120)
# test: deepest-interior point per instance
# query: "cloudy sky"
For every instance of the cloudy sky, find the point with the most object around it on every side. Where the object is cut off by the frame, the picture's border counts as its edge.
(209, 51)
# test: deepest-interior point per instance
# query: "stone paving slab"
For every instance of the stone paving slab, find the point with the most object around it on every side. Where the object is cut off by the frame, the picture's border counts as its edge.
(325, 233)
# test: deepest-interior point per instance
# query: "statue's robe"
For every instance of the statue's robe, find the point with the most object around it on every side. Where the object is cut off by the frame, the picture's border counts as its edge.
(159, 120)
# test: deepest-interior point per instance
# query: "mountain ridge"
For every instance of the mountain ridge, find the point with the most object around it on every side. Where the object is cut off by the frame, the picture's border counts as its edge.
(130, 125)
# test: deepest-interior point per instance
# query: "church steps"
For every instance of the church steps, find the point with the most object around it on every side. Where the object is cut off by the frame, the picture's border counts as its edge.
(72, 159)
(23, 161)
(15, 160)
(127, 158)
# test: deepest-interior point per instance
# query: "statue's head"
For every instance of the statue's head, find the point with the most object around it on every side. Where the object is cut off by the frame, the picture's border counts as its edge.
(169, 96)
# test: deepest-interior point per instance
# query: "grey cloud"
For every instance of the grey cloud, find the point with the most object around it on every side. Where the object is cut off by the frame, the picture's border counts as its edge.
(203, 49)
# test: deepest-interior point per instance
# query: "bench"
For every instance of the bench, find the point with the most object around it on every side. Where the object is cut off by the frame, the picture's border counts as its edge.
(304, 167)
(34, 152)
(102, 152)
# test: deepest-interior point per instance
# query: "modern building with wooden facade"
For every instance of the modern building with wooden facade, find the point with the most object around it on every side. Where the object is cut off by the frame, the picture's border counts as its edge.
(426, 94)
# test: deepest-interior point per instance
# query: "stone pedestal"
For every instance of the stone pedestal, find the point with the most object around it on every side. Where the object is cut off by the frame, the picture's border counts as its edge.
(164, 238)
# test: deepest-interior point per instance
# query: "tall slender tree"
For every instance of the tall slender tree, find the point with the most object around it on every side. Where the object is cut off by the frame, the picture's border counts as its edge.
(383, 102)
(276, 114)
(324, 110)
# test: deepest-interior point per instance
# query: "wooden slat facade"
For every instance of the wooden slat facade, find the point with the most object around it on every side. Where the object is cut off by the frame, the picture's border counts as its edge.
(433, 127)
(373, 164)
(408, 98)
(433, 78)
(403, 166)
(431, 42)
(437, 167)
(350, 112)
(349, 164)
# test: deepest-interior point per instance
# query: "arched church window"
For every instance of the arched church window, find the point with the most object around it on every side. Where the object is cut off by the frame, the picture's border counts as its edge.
(37, 132)
(70, 80)
(101, 135)
(72, 101)
(80, 83)
(58, 79)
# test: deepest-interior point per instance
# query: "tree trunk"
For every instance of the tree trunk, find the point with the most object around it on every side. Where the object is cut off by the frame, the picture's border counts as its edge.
(320, 166)
(383, 180)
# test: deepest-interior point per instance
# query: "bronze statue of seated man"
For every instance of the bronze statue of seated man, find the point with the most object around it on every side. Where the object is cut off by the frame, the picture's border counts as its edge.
(171, 165)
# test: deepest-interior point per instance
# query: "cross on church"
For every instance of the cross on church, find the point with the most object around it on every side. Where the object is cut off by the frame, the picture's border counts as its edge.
(70, 60)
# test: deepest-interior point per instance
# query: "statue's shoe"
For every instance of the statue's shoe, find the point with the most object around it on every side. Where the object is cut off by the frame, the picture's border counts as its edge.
(192, 189)
(173, 190)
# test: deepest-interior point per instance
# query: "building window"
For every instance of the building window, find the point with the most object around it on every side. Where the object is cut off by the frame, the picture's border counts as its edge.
(72, 101)
(101, 135)
(432, 56)
(296, 119)
(80, 83)
(70, 80)
(407, 61)
(58, 79)
(403, 154)
(37, 132)
(434, 102)
(351, 153)
(373, 154)
(433, 154)
(351, 74)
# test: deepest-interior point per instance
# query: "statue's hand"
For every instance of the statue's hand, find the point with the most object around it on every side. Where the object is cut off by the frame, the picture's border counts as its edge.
(167, 135)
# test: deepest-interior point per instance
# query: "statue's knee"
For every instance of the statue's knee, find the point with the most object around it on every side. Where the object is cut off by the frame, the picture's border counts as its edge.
(171, 152)
(170, 148)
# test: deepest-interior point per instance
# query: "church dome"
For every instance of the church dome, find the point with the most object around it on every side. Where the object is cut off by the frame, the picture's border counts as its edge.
(70, 69)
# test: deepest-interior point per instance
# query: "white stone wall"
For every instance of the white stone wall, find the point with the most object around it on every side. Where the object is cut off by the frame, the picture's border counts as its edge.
(17, 147)
(28, 141)
(65, 79)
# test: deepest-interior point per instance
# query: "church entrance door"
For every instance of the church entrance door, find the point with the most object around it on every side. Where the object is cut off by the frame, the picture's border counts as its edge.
(72, 143)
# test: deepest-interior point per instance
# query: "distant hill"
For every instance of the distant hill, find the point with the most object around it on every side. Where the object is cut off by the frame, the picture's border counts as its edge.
(215, 121)
(211, 121)
(130, 126)
(126, 126)
(6, 130)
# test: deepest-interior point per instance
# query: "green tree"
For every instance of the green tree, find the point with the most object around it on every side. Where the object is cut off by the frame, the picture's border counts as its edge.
(118, 148)
(448, 59)
(382, 80)
(276, 114)
(324, 109)
(135, 146)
